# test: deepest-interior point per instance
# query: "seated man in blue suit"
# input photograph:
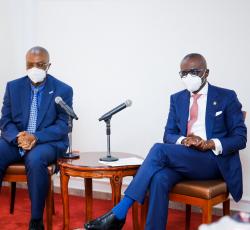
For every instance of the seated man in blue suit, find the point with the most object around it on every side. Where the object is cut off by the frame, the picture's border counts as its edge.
(33, 128)
(204, 132)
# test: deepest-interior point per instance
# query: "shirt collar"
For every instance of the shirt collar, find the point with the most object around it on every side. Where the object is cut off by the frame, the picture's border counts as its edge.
(39, 88)
(204, 90)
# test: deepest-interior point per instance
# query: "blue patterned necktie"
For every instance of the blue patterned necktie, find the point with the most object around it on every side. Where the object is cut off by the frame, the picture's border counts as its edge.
(33, 113)
(33, 117)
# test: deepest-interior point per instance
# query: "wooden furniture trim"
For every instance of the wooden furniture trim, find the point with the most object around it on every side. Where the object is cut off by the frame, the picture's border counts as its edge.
(197, 201)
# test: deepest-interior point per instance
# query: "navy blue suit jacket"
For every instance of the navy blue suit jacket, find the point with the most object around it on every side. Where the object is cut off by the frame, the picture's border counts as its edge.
(228, 127)
(52, 122)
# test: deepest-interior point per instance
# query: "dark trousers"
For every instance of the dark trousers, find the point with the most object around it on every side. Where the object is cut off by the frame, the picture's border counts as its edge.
(36, 162)
(164, 166)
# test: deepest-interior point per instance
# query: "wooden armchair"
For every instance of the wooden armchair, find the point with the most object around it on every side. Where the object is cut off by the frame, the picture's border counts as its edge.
(16, 173)
(204, 194)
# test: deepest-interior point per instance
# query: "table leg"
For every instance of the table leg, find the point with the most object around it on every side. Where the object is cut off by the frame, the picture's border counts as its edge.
(116, 185)
(88, 198)
(65, 198)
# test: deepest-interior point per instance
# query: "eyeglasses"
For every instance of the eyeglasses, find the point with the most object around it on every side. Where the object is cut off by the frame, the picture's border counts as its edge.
(39, 65)
(192, 72)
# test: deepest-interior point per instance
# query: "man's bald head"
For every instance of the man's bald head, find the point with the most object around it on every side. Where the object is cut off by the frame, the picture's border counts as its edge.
(37, 57)
(193, 61)
(38, 51)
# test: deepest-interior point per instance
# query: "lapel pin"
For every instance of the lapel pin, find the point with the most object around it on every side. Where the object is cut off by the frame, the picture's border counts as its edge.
(51, 92)
(214, 103)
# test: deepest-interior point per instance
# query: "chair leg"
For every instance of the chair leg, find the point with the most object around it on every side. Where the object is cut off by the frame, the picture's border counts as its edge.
(207, 213)
(53, 199)
(135, 208)
(188, 216)
(144, 211)
(226, 207)
(12, 196)
(49, 203)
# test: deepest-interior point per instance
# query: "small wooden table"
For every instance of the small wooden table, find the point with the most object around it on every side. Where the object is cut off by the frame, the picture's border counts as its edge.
(88, 167)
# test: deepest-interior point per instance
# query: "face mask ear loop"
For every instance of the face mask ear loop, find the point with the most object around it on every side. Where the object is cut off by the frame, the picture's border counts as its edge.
(46, 70)
(203, 79)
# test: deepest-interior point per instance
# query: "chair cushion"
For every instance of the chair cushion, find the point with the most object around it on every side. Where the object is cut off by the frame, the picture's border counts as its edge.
(19, 169)
(206, 189)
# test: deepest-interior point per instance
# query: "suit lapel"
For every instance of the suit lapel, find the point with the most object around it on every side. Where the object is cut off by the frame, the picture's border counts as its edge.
(183, 104)
(212, 105)
(26, 99)
(46, 99)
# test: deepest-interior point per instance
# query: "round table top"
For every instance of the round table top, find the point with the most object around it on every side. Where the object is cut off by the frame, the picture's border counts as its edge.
(90, 160)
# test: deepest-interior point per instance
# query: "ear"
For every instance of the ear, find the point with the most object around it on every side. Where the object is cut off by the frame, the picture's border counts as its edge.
(207, 72)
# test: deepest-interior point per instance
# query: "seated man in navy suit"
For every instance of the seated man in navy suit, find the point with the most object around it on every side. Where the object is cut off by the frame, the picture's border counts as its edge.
(33, 128)
(204, 132)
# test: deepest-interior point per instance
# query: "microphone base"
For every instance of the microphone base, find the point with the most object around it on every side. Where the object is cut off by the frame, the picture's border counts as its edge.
(71, 156)
(109, 158)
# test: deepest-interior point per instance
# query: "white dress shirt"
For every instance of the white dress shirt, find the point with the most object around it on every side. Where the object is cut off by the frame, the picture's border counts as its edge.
(199, 127)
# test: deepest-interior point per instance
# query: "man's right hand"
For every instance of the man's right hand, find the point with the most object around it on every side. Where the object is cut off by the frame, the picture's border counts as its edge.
(191, 140)
(21, 140)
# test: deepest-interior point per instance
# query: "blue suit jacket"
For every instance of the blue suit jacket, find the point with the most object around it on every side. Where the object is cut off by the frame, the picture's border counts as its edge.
(228, 127)
(52, 122)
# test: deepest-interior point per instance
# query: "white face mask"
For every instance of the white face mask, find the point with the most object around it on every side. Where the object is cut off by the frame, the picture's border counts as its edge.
(36, 75)
(193, 82)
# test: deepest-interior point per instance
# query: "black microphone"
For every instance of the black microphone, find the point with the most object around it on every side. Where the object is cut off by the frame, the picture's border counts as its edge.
(65, 107)
(117, 109)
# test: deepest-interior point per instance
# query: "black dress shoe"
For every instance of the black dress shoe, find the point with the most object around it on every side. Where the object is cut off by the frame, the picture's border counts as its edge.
(36, 225)
(106, 222)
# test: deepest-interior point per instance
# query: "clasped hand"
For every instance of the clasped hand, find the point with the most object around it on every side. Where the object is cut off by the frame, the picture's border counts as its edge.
(198, 143)
(26, 141)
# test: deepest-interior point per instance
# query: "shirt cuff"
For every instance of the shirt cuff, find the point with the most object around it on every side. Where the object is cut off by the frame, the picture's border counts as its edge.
(179, 140)
(218, 147)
